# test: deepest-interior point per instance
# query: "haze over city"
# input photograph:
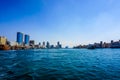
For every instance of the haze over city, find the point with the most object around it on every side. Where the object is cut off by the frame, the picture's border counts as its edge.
(71, 22)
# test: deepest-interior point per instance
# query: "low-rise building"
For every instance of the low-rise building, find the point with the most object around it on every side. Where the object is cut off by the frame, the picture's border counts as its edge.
(13, 43)
(3, 40)
(115, 44)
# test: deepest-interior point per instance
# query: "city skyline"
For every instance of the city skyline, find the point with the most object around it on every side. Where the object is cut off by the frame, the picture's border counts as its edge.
(71, 22)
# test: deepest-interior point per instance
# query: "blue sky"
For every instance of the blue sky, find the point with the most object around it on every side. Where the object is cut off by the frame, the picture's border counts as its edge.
(71, 22)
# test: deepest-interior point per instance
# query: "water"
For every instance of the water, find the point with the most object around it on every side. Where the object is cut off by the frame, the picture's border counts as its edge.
(60, 64)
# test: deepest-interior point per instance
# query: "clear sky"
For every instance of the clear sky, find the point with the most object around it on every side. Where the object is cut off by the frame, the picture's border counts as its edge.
(71, 22)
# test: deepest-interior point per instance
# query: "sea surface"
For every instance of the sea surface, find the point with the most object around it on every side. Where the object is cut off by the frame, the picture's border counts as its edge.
(60, 64)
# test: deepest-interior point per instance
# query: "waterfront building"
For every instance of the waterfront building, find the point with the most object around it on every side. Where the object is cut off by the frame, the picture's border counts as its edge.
(97, 45)
(43, 45)
(119, 41)
(66, 47)
(32, 43)
(52, 46)
(91, 46)
(47, 45)
(58, 45)
(112, 41)
(115, 44)
(13, 43)
(19, 38)
(101, 44)
(27, 39)
(39, 44)
(3, 43)
(3, 40)
(106, 45)
(78, 47)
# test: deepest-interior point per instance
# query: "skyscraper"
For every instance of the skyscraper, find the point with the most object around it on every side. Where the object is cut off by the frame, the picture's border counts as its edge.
(19, 38)
(101, 44)
(26, 39)
(47, 45)
(43, 45)
(58, 45)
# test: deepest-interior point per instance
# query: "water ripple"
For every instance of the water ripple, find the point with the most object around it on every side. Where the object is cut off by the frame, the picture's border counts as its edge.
(60, 64)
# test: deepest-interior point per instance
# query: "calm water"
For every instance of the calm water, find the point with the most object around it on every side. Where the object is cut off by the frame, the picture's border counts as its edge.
(61, 64)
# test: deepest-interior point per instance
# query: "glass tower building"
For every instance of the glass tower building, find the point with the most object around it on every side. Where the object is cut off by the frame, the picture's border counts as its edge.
(20, 38)
(26, 39)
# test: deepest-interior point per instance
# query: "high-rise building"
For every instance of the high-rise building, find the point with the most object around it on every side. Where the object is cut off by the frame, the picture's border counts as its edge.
(19, 38)
(39, 44)
(26, 39)
(43, 43)
(112, 41)
(48, 45)
(101, 44)
(58, 45)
